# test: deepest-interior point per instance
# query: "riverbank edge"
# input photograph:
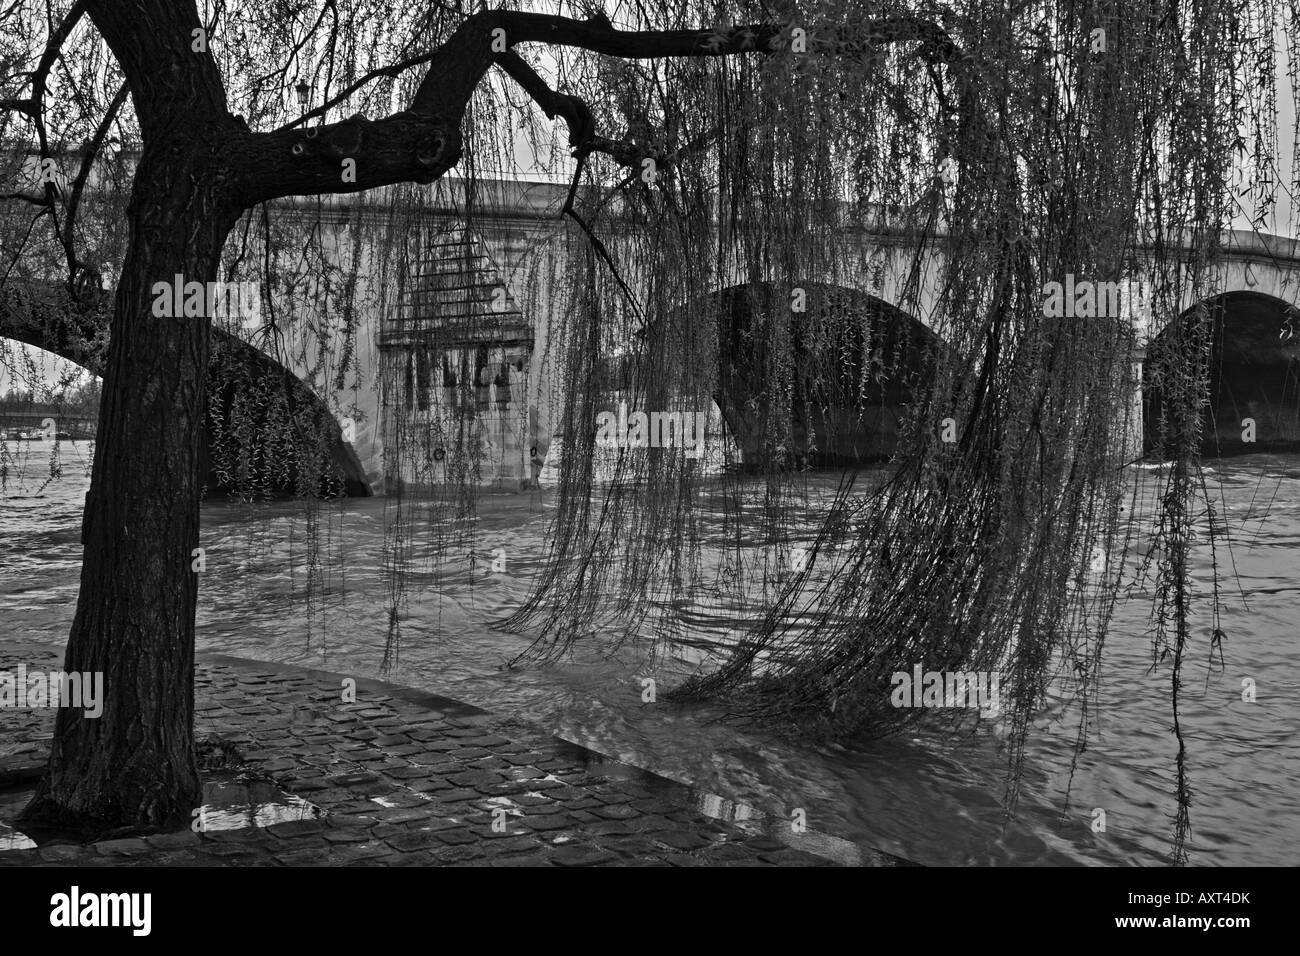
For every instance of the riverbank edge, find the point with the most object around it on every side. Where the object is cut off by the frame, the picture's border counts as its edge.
(407, 777)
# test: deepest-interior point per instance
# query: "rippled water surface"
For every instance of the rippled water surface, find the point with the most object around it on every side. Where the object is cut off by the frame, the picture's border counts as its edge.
(267, 594)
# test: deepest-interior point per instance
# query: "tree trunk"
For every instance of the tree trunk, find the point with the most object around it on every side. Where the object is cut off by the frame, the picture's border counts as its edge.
(135, 766)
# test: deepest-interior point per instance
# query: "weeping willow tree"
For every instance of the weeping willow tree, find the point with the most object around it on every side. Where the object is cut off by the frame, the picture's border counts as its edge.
(1018, 145)
(832, 222)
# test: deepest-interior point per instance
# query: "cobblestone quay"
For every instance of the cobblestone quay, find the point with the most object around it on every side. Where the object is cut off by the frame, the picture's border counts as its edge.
(396, 777)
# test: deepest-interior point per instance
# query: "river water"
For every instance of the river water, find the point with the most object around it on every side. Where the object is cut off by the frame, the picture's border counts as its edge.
(267, 595)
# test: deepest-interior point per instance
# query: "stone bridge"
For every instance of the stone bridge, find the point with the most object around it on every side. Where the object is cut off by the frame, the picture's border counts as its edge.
(455, 345)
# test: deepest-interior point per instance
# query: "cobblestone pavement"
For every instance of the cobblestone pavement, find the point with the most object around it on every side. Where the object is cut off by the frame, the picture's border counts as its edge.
(402, 778)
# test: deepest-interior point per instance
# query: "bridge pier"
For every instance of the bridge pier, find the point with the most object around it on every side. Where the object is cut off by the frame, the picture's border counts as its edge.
(458, 358)
(1132, 426)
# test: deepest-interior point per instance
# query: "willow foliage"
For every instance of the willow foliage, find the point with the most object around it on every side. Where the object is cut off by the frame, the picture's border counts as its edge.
(1098, 141)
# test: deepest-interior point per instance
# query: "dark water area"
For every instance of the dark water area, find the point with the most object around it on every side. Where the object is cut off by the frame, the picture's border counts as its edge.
(269, 593)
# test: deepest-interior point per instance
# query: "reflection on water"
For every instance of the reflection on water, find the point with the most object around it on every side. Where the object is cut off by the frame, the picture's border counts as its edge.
(924, 796)
(229, 803)
(12, 801)
(232, 804)
(11, 839)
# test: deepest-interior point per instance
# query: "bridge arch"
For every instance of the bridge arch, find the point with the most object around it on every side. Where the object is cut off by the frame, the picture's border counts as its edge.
(295, 412)
(45, 319)
(859, 362)
(1253, 365)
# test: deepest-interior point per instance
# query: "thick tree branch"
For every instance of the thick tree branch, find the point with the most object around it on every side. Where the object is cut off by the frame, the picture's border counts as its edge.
(422, 142)
(472, 44)
(350, 156)
(79, 184)
(171, 82)
(578, 117)
(574, 110)
(34, 104)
